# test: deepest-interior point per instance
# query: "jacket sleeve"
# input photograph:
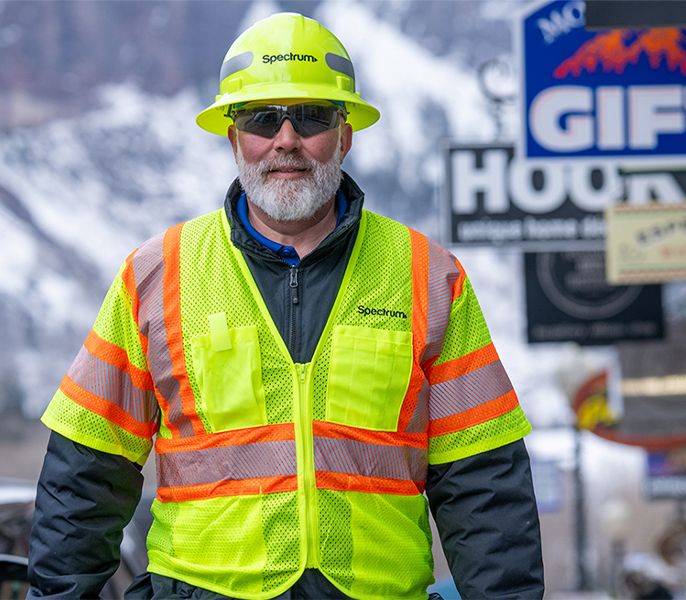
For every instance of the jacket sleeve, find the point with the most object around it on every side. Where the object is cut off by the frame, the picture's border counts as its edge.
(84, 500)
(485, 511)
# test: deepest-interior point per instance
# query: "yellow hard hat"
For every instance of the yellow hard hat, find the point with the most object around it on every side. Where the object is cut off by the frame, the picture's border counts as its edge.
(286, 56)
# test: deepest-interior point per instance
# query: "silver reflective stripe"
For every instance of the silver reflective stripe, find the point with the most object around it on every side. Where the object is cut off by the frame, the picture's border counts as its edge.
(222, 463)
(420, 417)
(237, 63)
(443, 272)
(340, 64)
(114, 385)
(370, 460)
(468, 391)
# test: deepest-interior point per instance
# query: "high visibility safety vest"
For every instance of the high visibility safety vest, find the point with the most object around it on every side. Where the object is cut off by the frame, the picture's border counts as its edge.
(266, 467)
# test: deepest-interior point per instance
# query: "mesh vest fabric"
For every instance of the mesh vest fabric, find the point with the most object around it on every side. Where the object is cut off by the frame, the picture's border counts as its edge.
(106, 399)
(266, 467)
(228, 522)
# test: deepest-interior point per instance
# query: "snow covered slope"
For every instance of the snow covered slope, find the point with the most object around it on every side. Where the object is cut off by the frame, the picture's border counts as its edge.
(77, 194)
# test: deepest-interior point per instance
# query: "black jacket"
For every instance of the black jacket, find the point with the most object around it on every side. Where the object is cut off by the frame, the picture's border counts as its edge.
(483, 505)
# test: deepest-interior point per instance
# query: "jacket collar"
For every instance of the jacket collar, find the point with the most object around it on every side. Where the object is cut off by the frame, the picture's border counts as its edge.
(247, 243)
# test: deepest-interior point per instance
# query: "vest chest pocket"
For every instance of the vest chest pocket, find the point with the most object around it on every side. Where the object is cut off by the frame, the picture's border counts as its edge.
(228, 371)
(369, 374)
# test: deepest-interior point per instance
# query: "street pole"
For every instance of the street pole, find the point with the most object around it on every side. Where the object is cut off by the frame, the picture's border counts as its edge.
(582, 580)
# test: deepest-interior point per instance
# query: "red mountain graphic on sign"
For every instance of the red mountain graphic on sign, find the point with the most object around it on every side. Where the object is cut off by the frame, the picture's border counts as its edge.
(613, 51)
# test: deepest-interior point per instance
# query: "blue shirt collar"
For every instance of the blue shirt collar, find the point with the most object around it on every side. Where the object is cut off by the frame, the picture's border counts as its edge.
(286, 253)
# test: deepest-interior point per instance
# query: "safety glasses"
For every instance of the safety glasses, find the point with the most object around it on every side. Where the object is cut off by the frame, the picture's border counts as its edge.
(307, 119)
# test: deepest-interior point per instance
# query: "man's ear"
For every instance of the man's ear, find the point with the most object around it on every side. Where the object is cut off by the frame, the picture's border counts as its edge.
(346, 139)
(231, 134)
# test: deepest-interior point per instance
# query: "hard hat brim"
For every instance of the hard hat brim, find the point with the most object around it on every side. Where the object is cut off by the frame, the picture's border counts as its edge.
(361, 114)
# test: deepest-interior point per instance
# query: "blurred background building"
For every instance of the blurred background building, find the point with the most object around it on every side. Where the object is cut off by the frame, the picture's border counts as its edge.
(99, 151)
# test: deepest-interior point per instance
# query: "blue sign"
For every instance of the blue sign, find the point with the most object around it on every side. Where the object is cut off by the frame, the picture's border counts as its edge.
(666, 474)
(617, 94)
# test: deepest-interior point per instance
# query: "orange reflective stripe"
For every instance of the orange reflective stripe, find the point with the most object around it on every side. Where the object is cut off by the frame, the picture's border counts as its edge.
(409, 407)
(385, 438)
(474, 416)
(459, 366)
(235, 437)
(236, 487)
(130, 284)
(118, 357)
(370, 485)
(129, 280)
(172, 322)
(420, 274)
(459, 282)
(420, 290)
(106, 409)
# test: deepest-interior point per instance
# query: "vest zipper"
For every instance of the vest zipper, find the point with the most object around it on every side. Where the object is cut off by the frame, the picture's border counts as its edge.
(293, 284)
(292, 308)
(310, 488)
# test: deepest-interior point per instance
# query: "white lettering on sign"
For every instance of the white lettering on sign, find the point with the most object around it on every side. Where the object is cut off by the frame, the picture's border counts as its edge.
(488, 179)
(546, 198)
(498, 184)
(564, 118)
(642, 188)
(610, 111)
(654, 109)
(550, 229)
(586, 196)
(569, 17)
(560, 118)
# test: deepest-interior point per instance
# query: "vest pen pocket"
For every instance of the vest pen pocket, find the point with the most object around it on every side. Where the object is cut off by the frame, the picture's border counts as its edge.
(228, 372)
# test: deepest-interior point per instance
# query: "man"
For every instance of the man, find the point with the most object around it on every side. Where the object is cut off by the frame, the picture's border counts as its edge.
(308, 368)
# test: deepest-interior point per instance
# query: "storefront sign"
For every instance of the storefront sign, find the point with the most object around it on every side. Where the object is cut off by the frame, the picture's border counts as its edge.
(646, 244)
(614, 94)
(495, 198)
(568, 299)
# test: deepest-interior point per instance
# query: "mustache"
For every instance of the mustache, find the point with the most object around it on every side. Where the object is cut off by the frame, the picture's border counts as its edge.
(286, 162)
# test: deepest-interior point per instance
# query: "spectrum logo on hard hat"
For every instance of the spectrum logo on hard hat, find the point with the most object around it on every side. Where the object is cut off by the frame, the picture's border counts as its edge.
(272, 58)
(286, 56)
(608, 94)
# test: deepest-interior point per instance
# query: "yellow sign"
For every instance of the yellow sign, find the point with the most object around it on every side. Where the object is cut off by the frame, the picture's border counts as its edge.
(592, 406)
(646, 243)
(595, 411)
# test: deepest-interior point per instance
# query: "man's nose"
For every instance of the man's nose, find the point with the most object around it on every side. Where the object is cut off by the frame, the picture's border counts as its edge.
(286, 138)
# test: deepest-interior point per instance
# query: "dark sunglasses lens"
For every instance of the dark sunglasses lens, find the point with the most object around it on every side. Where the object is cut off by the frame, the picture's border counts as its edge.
(310, 119)
(264, 122)
(307, 119)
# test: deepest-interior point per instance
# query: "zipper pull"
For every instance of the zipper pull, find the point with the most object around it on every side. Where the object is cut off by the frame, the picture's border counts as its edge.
(293, 284)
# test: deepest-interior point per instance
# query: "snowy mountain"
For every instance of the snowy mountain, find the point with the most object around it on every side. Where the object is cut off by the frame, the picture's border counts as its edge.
(84, 185)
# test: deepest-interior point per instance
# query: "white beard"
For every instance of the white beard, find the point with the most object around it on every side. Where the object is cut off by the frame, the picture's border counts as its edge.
(290, 200)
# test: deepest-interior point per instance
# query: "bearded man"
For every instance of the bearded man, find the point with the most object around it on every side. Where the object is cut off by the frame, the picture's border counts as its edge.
(305, 370)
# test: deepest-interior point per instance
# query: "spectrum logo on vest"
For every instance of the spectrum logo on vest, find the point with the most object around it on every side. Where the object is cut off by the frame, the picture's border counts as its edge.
(382, 312)
(272, 58)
